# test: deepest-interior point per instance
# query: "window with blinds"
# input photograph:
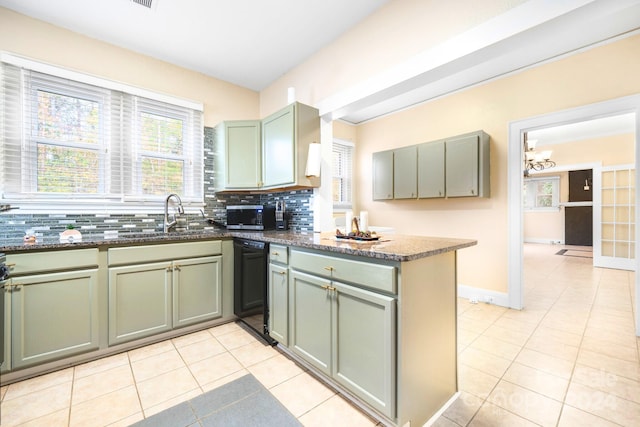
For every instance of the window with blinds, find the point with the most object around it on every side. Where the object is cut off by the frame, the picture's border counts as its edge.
(342, 172)
(72, 141)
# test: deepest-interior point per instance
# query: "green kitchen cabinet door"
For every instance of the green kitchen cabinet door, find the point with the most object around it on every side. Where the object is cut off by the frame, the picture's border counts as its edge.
(310, 329)
(382, 169)
(139, 301)
(279, 148)
(53, 316)
(6, 325)
(431, 170)
(405, 173)
(364, 345)
(197, 290)
(279, 303)
(467, 165)
(243, 154)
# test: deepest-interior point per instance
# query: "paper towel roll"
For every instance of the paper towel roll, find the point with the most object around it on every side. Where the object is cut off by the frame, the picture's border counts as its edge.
(364, 221)
(291, 95)
(348, 219)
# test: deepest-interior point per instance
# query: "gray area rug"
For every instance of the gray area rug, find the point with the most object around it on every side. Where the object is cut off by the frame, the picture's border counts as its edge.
(243, 402)
(579, 253)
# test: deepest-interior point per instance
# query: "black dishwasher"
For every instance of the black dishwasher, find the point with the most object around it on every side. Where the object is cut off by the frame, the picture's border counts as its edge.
(250, 291)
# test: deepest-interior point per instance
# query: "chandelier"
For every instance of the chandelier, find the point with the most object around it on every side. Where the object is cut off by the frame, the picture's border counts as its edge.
(536, 160)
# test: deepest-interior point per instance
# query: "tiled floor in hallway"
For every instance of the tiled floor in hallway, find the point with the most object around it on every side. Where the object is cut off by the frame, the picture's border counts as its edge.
(570, 358)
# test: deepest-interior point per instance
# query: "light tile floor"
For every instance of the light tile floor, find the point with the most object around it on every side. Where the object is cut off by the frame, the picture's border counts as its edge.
(570, 358)
(122, 389)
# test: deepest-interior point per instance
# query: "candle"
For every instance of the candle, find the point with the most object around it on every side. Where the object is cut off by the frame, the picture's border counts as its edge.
(348, 219)
(364, 221)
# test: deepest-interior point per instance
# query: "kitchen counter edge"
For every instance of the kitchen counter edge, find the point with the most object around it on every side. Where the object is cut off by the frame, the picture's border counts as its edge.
(394, 247)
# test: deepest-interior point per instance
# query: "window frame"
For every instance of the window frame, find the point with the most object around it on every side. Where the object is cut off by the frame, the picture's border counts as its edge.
(530, 194)
(342, 204)
(32, 140)
(116, 174)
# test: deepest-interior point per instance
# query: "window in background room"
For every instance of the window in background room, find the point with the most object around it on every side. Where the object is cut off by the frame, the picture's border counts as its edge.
(542, 194)
(342, 172)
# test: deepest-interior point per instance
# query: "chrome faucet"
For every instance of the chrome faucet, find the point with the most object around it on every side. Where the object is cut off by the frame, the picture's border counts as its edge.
(167, 224)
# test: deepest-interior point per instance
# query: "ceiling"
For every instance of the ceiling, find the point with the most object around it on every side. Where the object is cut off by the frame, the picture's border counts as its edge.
(250, 43)
(254, 42)
(588, 129)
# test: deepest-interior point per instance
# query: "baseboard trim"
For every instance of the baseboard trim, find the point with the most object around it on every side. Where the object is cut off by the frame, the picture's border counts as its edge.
(483, 295)
(544, 240)
(437, 415)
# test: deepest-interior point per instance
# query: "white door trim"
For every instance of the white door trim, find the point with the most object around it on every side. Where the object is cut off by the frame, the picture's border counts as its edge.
(628, 104)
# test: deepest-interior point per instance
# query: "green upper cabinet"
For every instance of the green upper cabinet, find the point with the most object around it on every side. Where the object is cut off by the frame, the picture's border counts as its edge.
(405, 173)
(452, 167)
(467, 165)
(266, 154)
(278, 155)
(382, 167)
(286, 135)
(431, 170)
(238, 155)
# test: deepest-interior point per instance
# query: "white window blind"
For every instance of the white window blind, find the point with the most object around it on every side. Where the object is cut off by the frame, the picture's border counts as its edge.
(342, 172)
(68, 140)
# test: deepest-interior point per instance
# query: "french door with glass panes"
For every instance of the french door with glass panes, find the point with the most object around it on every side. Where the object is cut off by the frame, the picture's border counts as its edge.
(617, 246)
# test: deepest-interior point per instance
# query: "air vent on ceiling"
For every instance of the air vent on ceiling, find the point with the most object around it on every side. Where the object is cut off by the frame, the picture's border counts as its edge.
(145, 3)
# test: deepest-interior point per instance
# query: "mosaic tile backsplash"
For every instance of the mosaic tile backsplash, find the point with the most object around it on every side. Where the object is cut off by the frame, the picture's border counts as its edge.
(298, 207)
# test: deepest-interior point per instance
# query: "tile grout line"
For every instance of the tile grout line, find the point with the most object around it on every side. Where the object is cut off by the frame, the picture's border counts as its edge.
(501, 378)
(135, 384)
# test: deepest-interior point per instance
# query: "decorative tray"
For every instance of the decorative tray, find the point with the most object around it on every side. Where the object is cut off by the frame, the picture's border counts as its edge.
(363, 239)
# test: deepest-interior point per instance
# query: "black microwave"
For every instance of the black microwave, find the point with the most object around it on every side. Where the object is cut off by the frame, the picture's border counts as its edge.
(251, 217)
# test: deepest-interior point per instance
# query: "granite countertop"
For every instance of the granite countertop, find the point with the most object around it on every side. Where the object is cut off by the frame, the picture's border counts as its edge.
(394, 247)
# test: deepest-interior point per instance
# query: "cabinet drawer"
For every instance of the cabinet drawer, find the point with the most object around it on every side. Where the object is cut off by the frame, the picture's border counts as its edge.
(52, 261)
(278, 253)
(375, 276)
(168, 251)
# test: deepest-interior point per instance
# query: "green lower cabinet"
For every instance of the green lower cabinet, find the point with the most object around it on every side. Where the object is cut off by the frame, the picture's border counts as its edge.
(139, 301)
(347, 333)
(310, 330)
(53, 316)
(364, 345)
(147, 299)
(197, 290)
(279, 303)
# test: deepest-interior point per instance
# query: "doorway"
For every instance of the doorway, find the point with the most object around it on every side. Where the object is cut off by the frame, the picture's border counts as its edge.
(578, 220)
(630, 104)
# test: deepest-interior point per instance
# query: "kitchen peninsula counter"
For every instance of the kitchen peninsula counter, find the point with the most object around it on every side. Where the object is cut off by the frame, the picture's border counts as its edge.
(392, 247)
(393, 300)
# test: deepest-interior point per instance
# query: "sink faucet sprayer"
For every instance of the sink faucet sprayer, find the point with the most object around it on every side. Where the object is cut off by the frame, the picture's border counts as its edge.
(167, 224)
